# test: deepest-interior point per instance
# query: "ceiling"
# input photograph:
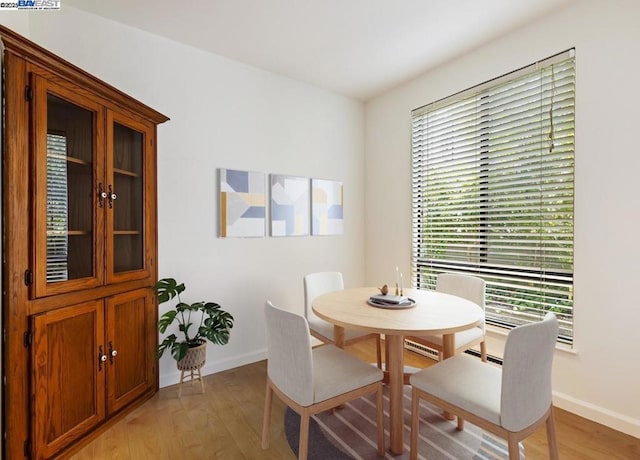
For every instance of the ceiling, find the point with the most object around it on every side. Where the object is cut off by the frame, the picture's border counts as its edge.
(359, 48)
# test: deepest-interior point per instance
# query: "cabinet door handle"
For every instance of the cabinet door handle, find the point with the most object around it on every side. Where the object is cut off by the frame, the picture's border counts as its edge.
(112, 196)
(112, 353)
(101, 358)
(101, 195)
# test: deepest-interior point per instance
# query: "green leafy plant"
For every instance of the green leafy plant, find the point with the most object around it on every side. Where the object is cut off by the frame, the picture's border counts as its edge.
(213, 323)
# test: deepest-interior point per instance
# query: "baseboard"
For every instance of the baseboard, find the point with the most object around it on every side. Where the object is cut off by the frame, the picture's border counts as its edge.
(211, 367)
(614, 420)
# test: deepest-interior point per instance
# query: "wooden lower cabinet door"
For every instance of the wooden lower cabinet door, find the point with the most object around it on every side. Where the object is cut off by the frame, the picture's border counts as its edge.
(68, 375)
(131, 341)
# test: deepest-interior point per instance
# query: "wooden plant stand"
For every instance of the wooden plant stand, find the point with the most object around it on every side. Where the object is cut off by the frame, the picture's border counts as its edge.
(191, 379)
(192, 363)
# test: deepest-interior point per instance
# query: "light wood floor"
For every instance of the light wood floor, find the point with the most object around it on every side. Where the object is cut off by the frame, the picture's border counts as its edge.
(225, 424)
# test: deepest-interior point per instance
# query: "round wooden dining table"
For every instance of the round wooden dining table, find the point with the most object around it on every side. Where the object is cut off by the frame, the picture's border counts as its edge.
(433, 313)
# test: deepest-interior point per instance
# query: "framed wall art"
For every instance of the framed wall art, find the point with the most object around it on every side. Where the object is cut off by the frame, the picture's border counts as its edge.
(289, 205)
(326, 207)
(242, 203)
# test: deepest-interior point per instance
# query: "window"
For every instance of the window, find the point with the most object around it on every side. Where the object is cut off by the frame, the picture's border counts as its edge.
(493, 181)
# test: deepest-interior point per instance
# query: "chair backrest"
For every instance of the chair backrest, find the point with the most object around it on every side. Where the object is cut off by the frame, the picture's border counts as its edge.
(289, 359)
(526, 373)
(468, 287)
(316, 284)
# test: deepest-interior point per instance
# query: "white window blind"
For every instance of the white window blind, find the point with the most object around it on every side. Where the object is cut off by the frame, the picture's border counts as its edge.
(57, 206)
(493, 182)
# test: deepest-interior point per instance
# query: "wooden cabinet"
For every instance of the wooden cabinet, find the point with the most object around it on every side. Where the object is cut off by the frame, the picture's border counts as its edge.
(89, 361)
(130, 347)
(68, 375)
(93, 194)
(80, 252)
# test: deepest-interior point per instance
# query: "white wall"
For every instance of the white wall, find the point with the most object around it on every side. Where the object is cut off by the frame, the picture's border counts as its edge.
(18, 21)
(226, 114)
(599, 380)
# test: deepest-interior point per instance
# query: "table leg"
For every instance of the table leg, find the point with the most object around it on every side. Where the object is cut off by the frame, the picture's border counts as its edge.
(448, 345)
(395, 366)
(448, 350)
(338, 336)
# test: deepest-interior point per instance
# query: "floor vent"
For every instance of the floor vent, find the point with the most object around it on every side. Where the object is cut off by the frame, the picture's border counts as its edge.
(421, 349)
(433, 354)
(490, 358)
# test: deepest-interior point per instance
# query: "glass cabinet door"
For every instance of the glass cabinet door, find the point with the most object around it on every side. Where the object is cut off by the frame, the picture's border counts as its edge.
(67, 223)
(128, 146)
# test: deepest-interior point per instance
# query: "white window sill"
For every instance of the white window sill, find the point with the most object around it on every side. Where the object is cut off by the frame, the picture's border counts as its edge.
(501, 333)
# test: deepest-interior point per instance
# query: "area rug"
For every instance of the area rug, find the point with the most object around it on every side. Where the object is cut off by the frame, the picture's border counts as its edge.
(350, 433)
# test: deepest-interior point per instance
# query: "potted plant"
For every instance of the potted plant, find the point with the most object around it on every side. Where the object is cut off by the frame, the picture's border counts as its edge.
(213, 324)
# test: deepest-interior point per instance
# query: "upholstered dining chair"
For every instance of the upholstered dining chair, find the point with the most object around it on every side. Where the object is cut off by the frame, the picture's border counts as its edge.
(309, 380)
(316, 284)
(511, 402)
(468, 287)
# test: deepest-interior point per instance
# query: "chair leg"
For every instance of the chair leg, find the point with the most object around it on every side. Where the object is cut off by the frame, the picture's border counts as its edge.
(303, 445)
(514, 447)
(268, 399)
(380, 420)
(415, 407)
(460, 426)
(483, 351)
(551, 436)
(379, 352)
